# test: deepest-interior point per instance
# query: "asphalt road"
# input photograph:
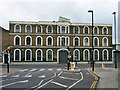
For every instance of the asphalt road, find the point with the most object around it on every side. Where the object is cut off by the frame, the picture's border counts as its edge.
(48, 77)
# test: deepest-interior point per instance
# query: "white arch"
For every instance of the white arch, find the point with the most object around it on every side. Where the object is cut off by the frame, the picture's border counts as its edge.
(103, 29)
(30, 54)
(19, 54)
(51, 28)
(78, 29)
(103, 41)
(41, 54)
(94, 30)
(94, 53)
(84, 41)
(47, 54)
(74, 41)
(47, 40)
(37, 28)
(103, 54)
(26, 28)
(84, 54)
(74, 54)
(41, 40)
(15, 27)
(30, 40)
(15, 39)
(97, 40)
(84, 29)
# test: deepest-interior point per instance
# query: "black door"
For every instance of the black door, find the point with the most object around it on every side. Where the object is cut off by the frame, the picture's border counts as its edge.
(63, 57)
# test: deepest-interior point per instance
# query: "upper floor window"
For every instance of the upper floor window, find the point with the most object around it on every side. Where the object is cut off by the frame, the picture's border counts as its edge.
(62, 41)
(105, 30)
(96, 54)
(76, 55)
(86, 41)
(76, 30)
(76, 41)
(58, 29)
(39, 29)
(17, 40)
(28, 40)
(96, 41)
(49, 29)
(105, 41)
(86, 30)
(17, 28)
(49, 40)
(28, 28)
(96, 30)
(38, 40)
(67, 29)
(63, 29)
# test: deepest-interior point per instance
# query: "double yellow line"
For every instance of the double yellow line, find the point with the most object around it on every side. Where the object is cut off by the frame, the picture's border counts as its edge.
(95, 81)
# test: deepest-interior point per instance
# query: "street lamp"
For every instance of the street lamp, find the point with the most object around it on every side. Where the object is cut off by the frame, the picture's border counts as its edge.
(91, 11)
(114, 13)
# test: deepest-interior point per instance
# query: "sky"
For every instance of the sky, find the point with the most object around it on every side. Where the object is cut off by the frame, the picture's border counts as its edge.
(50, 10)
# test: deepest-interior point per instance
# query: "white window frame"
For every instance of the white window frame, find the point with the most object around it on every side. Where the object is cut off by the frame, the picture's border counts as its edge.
(30, 54)
(26, 28)
(26, 38)
(84, 41)
(103, 41)
(37, 28)
(41, 40)
(74, 41)
(51, 29)
(103, 54)
(15, 27)
(74, 54)
(41, 54)
(47, 54)
(94, 41)
(94, 54)
(47, 41)
(19, 54)
(94, 30)
(15, 39)
(78, 30)
(103, 29)
(84, 29)
(84, 54)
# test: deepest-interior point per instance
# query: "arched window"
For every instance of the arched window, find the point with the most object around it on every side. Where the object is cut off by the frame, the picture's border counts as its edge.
(63, 29)
(96, 55)
(76, 30)
(28, 29)
(49, 29)
(39, 55)
(86, 54)
(58, 40)
(38, 40)
(28, 40)
(76, 55)
(67, 29)
(49, 55)
(105, 30)
(49, 40)
(67, 40)
(105, 41)
(86, 30)
(28, 55)
(17, 40)
(58, 29)
(39, 29)
(63, 41)
(17, 28)
(105, 54)
(96, 41)
(76, 41)
(95, 30)
(17, 55)
(86, 41)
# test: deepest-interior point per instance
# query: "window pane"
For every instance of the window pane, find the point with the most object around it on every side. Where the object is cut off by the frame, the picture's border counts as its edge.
(76, 55)
(17, 28)
(38, 55)
(49, 29)
(76, 41)
(49, 55)
(59, 29)
(28, 28)
(63, 29)
(49, 41)
(38, 41)
(63, 41)
(96, 55)
(86, 55)
(105, 55)
(96, 42)
(28, 40)
(86, 41)
(67, 41)
(105, 42)
(39, 29)
(59, 41)
(17, 55)
(28, 55)
(76, 30)
(95, 30)
(105, 30)
(86, 30)
(17, 41)
(67, 30)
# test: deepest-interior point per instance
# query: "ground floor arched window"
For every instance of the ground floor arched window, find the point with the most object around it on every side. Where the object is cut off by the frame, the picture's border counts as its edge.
(76, 55)
(49, 55)
(86, 55)
(39, 55)
(17, 55)
(28, 55)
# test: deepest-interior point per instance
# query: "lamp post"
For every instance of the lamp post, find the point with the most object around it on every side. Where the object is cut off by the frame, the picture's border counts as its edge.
(114, 13)
(91, 11)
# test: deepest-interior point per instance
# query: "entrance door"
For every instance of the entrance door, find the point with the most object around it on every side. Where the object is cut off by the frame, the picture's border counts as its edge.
(63, 57)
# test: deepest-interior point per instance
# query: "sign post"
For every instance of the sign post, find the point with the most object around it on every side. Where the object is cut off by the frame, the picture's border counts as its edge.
(7, 61)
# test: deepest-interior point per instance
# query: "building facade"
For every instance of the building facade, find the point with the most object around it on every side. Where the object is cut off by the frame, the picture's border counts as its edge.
(46, 41)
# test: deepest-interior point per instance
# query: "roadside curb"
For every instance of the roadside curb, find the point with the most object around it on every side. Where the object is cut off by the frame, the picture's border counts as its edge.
(96, 80)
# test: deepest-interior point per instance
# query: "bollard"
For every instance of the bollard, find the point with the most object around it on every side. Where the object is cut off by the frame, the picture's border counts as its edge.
(103, 65)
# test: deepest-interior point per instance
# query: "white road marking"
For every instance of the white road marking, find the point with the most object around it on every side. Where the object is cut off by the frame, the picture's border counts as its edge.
(76, 82)
(2, 80)
(43, 76)
(60, 73)
(87, 73)
(3, 76)
(58, 69)
(59, 84)
(41, 69)
(50, 69)
(23, 70)
(14, 83)
(28, 75)
(68, 78)
(16, 76)
(33, 70)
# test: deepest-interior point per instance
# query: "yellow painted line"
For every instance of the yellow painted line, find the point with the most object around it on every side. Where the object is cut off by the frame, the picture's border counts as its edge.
(95, 81)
